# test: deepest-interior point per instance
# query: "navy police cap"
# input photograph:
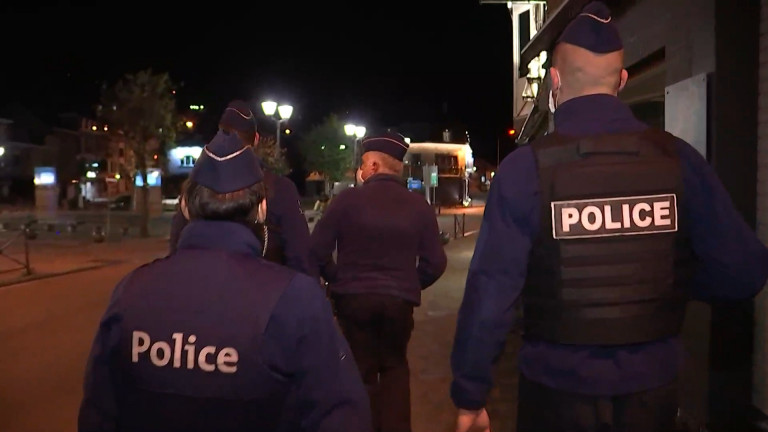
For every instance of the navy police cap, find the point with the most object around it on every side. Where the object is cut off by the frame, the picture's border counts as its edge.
(593, 30)
(227, 165)
(238, 116)
(391, 144)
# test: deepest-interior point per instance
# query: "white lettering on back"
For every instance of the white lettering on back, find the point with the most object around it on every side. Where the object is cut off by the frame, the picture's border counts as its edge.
(161, 353)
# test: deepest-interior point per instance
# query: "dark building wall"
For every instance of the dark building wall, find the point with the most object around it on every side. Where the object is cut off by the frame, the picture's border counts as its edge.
(718, 38)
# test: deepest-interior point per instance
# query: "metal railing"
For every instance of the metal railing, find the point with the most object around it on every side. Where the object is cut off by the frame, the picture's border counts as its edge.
(26, 232)
(459, 225)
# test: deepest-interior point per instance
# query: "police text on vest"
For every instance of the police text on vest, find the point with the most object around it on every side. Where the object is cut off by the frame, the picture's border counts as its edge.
(614, 216)
(161, 354)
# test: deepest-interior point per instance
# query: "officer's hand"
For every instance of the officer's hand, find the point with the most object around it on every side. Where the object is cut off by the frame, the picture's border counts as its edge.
(473, 421)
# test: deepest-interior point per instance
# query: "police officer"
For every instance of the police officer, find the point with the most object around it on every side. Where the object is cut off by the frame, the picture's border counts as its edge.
(214, 337)
(285, 222)
(380, 230)
(603, 227)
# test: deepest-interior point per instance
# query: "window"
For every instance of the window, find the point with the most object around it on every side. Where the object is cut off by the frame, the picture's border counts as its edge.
(447, 164)
(524, 27)
(187, 161)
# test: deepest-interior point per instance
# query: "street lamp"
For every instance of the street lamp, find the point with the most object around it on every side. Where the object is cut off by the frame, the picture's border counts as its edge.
(357, 132)
(284, 113)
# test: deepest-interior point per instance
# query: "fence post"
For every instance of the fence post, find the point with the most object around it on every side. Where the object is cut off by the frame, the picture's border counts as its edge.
(27, 268)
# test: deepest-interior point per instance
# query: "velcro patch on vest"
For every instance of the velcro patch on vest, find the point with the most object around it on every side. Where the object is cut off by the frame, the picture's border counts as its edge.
(614, 216)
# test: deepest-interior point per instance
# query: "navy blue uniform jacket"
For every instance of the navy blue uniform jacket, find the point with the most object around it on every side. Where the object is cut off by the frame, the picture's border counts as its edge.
(731, 264)
(283, 211)
(214, 337)
(380, 231)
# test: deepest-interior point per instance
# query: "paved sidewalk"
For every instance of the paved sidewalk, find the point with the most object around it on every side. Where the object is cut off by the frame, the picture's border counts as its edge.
(53, 257)
(430, 348)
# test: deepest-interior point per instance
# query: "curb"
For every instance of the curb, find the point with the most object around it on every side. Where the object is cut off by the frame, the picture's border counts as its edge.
(39, 276)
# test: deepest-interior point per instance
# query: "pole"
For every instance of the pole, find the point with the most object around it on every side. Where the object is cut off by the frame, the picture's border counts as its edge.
(355, 166)
(277, 136)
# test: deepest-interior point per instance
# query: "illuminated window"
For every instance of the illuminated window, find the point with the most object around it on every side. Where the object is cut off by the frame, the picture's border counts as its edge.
(187, 161)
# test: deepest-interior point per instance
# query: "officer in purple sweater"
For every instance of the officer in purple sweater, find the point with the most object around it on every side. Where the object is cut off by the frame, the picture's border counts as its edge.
(389, 250)
(604, 228)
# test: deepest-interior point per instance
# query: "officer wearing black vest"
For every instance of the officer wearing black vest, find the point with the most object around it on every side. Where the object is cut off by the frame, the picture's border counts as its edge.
(389, 250)
(286, 231)
(604, 227)
(215, 338)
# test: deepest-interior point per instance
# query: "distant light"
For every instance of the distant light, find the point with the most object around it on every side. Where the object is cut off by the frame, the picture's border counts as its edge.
(190, 124)
(90, 174)
(117, 176)
(360, 131)
(173, 91)
(509, 5)
(95, 165)
(93, 128)
(342, 147)
(287, 131)
(181, 152)
(154, 157)
(407, 140)
(511, 132)
(2, 151)
(493, 174)
(322, 147)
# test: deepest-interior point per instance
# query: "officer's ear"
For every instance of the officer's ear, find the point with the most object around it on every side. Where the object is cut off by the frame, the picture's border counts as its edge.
(255, 139)
(623, 79)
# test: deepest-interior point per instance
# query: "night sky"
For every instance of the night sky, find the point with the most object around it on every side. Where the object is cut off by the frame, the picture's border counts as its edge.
(376, 63)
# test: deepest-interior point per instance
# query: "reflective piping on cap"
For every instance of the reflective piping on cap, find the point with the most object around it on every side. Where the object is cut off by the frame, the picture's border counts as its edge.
(604, 21)
(387, 139)
(241, 114)
(219, 158)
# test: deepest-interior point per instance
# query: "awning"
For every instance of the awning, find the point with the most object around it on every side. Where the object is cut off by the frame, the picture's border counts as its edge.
(545, 38)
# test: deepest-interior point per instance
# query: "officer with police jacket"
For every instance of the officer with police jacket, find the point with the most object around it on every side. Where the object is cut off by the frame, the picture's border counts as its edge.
(389, 250)
(604, 227)
(286, 227)
(215, 338)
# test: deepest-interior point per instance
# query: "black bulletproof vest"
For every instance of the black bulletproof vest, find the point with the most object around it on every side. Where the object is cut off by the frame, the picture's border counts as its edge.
(610, 265)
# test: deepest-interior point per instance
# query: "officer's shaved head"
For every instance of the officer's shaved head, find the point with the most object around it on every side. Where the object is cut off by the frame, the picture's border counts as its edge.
(579, 72)
(382, 163)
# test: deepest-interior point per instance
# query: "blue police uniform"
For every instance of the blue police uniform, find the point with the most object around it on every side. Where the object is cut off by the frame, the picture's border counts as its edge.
(522, 237)
(214, 337)
(284, 214)
(380, 231)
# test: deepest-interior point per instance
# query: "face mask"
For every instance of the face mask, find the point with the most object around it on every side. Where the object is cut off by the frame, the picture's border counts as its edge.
(552, 105)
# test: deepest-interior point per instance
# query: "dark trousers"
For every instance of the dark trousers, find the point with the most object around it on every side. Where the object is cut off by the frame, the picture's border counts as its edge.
(378, 328)
(543, 409)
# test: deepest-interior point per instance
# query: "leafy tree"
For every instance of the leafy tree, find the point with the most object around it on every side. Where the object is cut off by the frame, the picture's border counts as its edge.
(328, 150)
(142, 108)
(272, 155)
